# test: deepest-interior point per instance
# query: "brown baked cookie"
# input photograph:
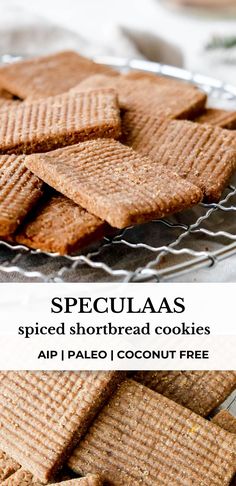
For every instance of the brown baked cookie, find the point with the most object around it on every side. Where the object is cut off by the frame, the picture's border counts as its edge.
(59, 225)
(19, 192)
(200, 391)
(48, 75)
(114, 182)
(159, 79)
(204, 155)
(46, 124)
(7, 466)
(43, 414)
(158, 99)
(225, 420)
(141, 437)
(24, 478)
(218, 118)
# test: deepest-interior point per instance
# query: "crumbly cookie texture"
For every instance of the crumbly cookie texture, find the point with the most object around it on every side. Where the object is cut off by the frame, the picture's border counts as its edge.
(200, 391)
(20, 190)
(204, 155)
(57, 121)
(172, 100)
(59, 225)
(7, 466)
(218, 118)
(43, 415)
(141, 437)
(225, 420)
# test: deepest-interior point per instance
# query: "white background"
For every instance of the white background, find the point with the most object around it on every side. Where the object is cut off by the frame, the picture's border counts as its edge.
(95, 19)
(205, 305)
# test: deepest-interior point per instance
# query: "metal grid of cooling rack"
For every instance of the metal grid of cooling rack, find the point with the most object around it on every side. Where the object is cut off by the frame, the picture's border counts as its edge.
(156, 251)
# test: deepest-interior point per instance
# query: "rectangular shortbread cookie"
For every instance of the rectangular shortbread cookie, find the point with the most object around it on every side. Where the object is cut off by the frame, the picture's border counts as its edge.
(59, 225)
(48, 75)
(225, 420)
(143, 96)
(218, 118)
(152, 77)
(43, 415)
(228, 422)
(114, 182)
(141, 437)
(200, 391)
(204, 155)
(19, 192)
(45, 124)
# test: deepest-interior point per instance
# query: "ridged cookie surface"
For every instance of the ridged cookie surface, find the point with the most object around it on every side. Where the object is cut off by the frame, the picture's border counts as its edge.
(19, 192)
(48, 75)
(204, 155)
(59, 225)
(45, 124)
(141, 437)
(114, 182)
(174, 100)
(43, 415)
(225, 420)
(200, 391)
(7, 466)
(218, 118)
(24, 478)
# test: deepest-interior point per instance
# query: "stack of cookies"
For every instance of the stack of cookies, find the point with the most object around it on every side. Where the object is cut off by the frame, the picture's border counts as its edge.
(85, 150)
(99, 428)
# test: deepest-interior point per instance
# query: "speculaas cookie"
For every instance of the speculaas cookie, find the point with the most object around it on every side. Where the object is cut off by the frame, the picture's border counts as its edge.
(141, 437)
(200, 391)
(204, 155)
(114, 182)
(157, 99)
(43, 415)
(59, 225)
(21, 478)
(225, 420)
(218, 118)
(48, 75)
(7, 466)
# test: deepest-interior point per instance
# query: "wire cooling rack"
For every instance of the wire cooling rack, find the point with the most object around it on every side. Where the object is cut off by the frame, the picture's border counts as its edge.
(157, 251)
